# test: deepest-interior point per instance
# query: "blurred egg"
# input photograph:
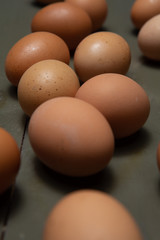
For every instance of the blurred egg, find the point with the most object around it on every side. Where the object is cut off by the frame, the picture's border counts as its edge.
(66, 20)
(149, 38)
(96, 9)
(32, 48)
(90, 215)
(143, 10)
(71, 137)
(9, 160)
(158, 156)
(122, 101)
(45, 80)
(101, 52)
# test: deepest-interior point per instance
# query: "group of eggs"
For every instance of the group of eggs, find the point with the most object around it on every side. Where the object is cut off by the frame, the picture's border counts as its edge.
(76, 114)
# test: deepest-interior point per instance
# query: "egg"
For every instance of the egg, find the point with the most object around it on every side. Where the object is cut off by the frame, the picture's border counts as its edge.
(69, 22)
(120, 99)
(143, 10)
(45, 80)
(90, 215)
(97, 10)
(148, 38)
(158, 156)
(9, 160)
(33, 48)
(101, 52)
(71, 137)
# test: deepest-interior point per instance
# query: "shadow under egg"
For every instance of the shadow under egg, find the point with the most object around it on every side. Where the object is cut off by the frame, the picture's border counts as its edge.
(103, 180)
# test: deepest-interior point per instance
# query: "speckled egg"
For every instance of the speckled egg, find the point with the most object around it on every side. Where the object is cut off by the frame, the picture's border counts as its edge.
(45, 80)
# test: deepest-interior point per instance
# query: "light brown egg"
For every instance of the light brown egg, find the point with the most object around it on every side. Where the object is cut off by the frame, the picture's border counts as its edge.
(69, 22)
(122, 101)
(143, 10)
(90, 215)
(71, 136)
(101, 52)
(148, 38)
(9, 160)
(97, 10)
(158, 156)
(45, 80)
(33, 48)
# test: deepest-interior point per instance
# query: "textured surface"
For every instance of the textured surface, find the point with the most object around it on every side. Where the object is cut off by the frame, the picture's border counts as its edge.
(132, 176)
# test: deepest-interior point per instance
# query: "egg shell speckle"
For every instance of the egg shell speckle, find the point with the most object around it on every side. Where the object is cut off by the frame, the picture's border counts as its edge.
(101, 52)
(45, 80)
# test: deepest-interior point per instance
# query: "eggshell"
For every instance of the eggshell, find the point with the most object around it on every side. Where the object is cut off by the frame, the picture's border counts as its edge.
(45, 80)
(148, 38)
(71, 137)
(9, 160)
(158, 156)
(143, 10)
(33, 48)
(122, 101)
(97, 10)
(101, 52)
(90, 215)
(69, 22)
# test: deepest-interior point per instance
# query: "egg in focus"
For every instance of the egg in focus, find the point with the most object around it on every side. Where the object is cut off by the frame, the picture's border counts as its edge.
(148, 38)
(120, 99)
(9, 160)
(101, 52)
(71, 137)
(90, 215)
(45, 80)
(143, 10)
(66, 20)
(33, 48)
(96, 9)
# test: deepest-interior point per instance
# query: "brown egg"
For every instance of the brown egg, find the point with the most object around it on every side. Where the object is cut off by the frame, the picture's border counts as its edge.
(69, 22)
(71, 137)
(9, 160)
(45, 80)
(90, 215)
(101, 52)
(33, 48)
(158, 156)
(148, 38)
(96, 9)
(143, 10)
(122, 101)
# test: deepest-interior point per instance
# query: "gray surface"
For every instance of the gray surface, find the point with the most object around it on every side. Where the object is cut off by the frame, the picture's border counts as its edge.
(132, 175)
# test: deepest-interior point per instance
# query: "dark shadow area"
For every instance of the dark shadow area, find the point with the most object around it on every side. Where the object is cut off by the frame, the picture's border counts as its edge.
(149, 62)
(37, 4)
(16, 201)
(135, 32)
(103, 180)
(5, 199)
(134, 143)
(12, 90)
